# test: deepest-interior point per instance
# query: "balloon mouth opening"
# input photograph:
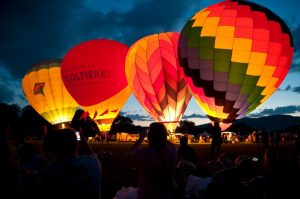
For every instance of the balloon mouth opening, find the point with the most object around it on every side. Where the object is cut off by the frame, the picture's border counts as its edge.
(171, 126)
(224, 126)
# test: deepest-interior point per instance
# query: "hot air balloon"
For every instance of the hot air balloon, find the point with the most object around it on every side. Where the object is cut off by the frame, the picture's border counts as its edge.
(45, 91)
(94, 74)
(156, 80)
(235, 54)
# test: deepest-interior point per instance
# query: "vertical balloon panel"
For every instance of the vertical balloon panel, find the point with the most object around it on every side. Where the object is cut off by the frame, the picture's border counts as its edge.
(156, 80)
(45, 92)
(235, 54)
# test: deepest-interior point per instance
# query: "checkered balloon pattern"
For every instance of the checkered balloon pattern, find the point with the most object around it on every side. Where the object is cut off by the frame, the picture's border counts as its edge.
(235, 54)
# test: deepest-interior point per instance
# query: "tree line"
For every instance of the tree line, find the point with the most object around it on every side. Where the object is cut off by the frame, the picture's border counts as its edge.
(18, 123)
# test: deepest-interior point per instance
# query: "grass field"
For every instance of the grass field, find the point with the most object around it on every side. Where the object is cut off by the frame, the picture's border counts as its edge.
(120, 171)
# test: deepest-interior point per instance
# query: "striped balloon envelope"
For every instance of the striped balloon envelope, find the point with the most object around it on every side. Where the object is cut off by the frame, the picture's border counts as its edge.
(156, 79)
(235, 54)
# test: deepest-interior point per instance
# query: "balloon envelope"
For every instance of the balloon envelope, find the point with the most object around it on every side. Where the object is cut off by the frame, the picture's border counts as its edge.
(235, 54)
(156, 80)
(46, 93)
(94, 74)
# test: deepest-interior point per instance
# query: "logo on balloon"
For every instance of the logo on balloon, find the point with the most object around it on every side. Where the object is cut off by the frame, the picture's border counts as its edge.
(38, 88)
(93, 71)
(85, 75)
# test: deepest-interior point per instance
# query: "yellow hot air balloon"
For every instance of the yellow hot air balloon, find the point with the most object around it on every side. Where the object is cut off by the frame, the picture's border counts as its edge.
(46, 93)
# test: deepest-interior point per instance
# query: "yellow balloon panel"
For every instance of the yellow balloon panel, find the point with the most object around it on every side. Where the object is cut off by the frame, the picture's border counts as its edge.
(46, 93)
(106, 111)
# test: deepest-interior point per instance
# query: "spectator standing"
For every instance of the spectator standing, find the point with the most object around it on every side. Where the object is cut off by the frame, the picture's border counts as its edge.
(72, 174)
(216, 140)
(186, 152)
(156, 163)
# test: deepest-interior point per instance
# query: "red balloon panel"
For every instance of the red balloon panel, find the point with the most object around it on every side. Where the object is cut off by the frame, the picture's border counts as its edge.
(94, 71)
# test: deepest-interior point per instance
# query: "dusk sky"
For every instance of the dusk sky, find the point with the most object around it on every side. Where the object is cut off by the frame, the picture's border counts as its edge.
(33, 31)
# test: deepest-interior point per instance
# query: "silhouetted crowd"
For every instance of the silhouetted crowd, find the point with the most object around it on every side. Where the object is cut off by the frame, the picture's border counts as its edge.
(68, 168)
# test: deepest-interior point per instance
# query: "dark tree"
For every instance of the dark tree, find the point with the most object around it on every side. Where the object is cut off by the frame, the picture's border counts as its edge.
(9, 118)
(186, 126)
(122, 124)
(32, 122)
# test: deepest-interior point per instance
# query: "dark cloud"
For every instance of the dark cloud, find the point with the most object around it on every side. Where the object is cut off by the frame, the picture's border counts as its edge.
(296, 89)
(296, 59)
(287, 88)
(144, 18)
(7, 94)
(277, 111)
(194, 115)
(296, 33)
(290, 88)
(137, 116)
(33, 31)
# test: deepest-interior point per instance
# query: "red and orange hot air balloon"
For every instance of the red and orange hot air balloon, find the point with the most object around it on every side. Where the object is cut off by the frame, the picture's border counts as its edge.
(94, 74)
(235, 55)
(156, 79)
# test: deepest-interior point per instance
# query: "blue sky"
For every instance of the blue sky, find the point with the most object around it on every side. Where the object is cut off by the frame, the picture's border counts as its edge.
(34, 31)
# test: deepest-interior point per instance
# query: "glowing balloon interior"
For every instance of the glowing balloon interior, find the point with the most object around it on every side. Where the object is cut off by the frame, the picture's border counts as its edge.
(94, 74)
(235, 55)
(106, 111)
(46, 93)
(156, 80)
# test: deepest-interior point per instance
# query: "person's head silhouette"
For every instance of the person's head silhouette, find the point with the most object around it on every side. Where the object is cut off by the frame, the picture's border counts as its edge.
(157, 135)
(217, 124)
(184, 141)
(63, 143)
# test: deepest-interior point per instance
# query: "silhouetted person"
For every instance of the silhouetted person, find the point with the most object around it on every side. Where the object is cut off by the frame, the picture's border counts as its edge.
(216, 140)
(156, 164)
(71, 175)
(8, 172)
(81, 120)
(187, 163)
(265, 138)
(29, 168)
(186, 152)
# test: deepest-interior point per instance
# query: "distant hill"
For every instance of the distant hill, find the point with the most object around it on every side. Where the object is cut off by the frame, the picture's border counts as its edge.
(274, 122)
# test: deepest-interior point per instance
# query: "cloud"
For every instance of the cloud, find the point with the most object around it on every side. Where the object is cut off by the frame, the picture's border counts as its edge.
(10, 89)
(138, 117)
(194, 115)
(277, 111)
(296, 89)
(296, 59)
(141, 19)
(34, 31)
(290, 88)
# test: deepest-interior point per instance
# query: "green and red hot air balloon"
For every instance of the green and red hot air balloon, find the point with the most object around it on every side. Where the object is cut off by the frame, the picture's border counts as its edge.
(235, 54)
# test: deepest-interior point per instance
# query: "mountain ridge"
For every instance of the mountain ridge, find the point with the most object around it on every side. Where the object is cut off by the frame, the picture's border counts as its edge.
(272, 122)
